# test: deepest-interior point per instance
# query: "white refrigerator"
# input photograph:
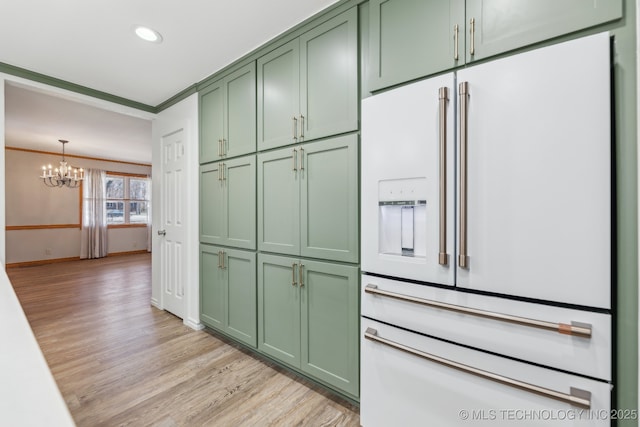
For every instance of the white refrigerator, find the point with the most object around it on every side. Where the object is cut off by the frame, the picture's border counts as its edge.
(486, 240)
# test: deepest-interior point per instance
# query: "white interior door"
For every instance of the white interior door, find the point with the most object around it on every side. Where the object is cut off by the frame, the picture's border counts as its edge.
(172, 229)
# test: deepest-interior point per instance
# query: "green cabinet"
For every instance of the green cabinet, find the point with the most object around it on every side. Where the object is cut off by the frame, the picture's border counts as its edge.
(228, 116)
(500, 26)
(413, 38)
(308, 200)
(308, 88)
(410, 39)
(228, 202)
(308, 318)
(228, 292)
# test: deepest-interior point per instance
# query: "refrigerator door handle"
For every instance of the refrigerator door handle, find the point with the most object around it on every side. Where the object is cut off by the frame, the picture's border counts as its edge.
(579, 329)
(575, 397)
(463, 93)
(443, 98)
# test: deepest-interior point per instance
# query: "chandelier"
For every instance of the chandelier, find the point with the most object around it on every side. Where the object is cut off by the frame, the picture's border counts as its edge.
(62, 176)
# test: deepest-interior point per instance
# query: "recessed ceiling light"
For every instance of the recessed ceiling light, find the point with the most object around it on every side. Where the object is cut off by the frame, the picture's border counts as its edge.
(147, 34)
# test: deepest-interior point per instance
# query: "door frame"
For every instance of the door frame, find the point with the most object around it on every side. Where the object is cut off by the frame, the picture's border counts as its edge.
(183, 115)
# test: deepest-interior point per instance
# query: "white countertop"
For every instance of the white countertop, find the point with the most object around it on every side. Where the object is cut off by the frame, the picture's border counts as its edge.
(29, 395)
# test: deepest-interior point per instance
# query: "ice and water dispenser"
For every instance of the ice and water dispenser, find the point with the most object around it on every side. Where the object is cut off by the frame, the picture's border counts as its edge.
(402, 217)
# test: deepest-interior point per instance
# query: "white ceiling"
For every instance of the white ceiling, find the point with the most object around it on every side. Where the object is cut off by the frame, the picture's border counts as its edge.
(91, 43)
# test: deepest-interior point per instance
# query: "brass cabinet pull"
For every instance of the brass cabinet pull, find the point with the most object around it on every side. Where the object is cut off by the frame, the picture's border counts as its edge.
(295, 129)
(456, 29)
(294, 156)
(301, 126)
(472, 34)
(443, 98)
(575, 397)
(578, 329)
(294, 269)
(301, 274)
(301, 158)
(463, 89)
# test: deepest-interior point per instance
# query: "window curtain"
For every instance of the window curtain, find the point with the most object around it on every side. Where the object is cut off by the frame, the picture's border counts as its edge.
(93, 242)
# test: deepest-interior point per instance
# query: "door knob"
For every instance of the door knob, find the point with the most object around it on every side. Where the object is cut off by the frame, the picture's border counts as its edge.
(162, 232)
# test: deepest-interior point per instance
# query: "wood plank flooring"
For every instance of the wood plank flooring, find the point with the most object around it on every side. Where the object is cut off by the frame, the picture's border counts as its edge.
(120, 362)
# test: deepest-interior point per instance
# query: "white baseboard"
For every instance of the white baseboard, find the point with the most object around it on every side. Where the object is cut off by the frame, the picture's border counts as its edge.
(193, 325)
(156, 304)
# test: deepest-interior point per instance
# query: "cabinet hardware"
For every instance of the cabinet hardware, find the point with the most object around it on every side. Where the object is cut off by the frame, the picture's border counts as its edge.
(443, 98)
(219, 262)
(220, 172)
(301, 126)
(582, 330)
(224, 267)
(463, 89)
(301, 158)
(301, 275)
(294, 269)
(222, 168)
(294, 156)
(456, 28)
(295, 129)
(472, 35)
(224, 147)
(575, 397)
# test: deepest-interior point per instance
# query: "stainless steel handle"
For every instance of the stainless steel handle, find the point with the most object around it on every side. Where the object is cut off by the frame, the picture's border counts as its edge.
(162, 232)
(295, 129)
(223, 167)
(575, 397)
(456, 29)
(463, 92)
(220, 172)
(301, 158)
(294, 156)
(443, 98)
(294, 269)
(219, 148)
(224, 267)
(575, 328)
(472, 35)
(224, 147)
(301, 126)
(219, 262)
(301, 275)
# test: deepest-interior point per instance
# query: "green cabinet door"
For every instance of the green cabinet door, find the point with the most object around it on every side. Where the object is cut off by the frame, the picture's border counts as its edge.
(499, 26)
(240, 202)
(330, 324)
(329, 199)
(279, 201)
(212, 194)
(211, 106)
(279, 96)
(410, 39)
(241, 295)
(212, 287)
(240, 112)
(329, 77)
(279, 308)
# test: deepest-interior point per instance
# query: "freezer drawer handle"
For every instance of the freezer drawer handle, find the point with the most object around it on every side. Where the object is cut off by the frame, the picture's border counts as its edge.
(575, 328)
(443, 98)
(576, 397)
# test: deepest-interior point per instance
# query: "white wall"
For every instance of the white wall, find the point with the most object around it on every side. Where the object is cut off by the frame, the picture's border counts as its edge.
(30, 203)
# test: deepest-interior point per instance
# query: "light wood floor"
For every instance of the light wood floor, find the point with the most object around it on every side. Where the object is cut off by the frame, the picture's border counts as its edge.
(119, 361)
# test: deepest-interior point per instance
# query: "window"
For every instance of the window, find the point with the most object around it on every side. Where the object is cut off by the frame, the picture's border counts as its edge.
(127, 199)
